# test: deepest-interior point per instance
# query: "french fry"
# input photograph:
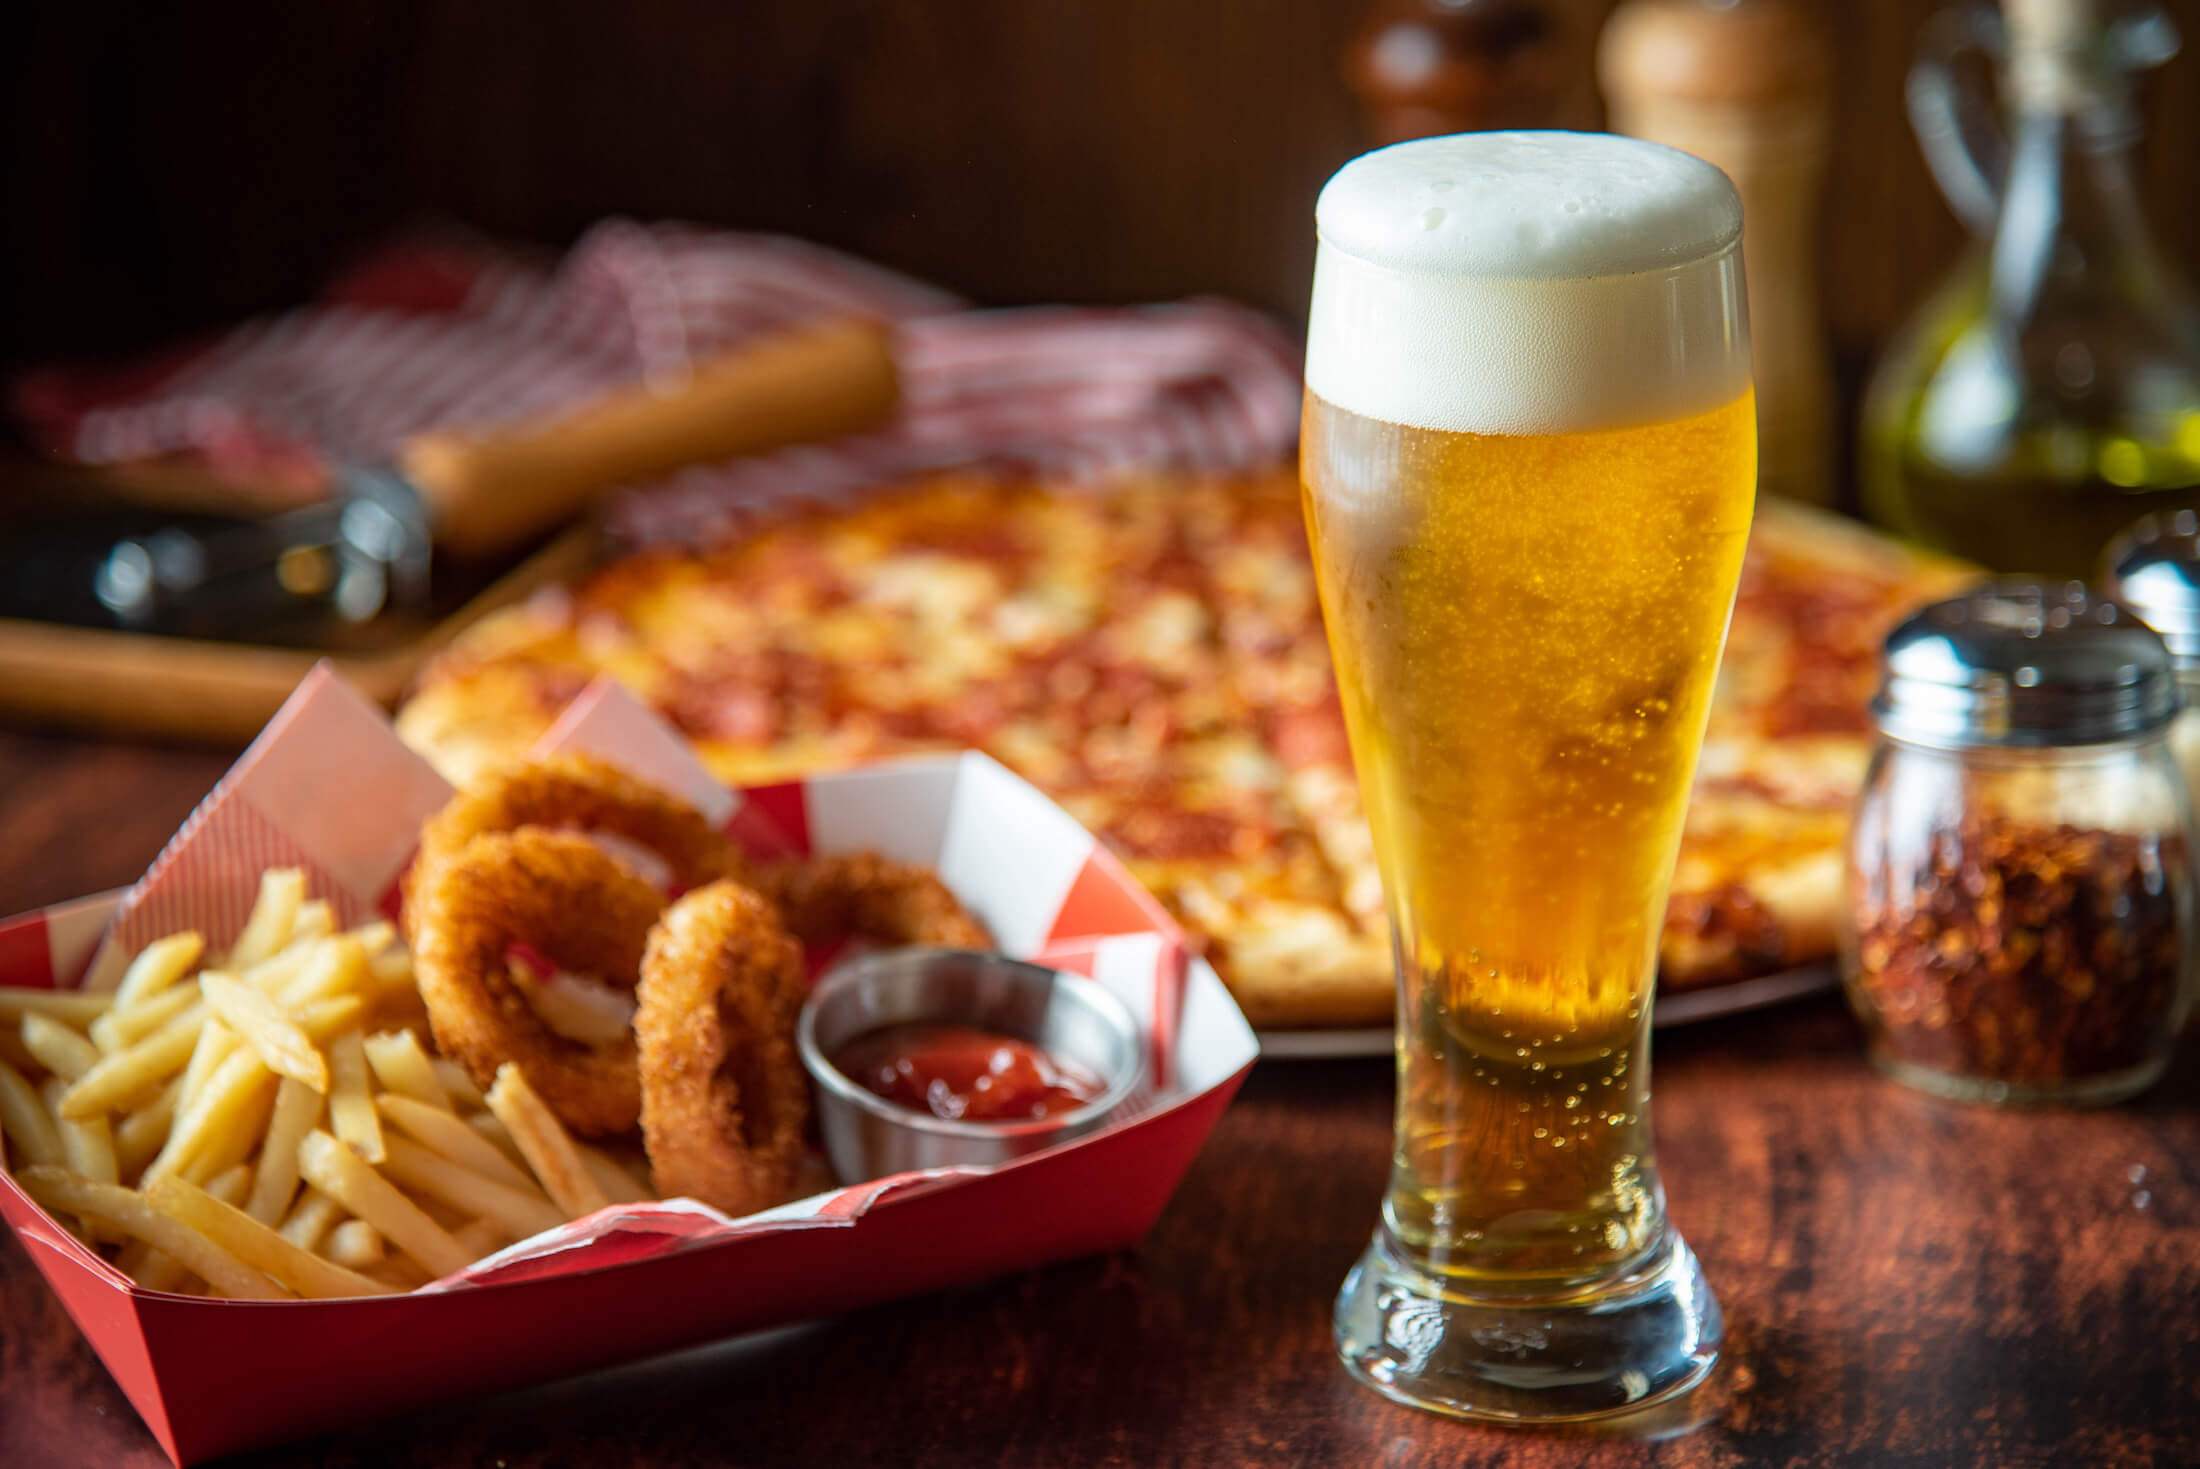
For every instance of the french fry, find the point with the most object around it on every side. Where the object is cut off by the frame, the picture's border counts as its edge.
(221, 1125)
(216, 1042)
(334, 966)
(70, 1007)
(131, 1076)
(58, 1190)
(264, 1026)
(267, 931)
(88, 1147)
(32, 1137)
(519, 1213)
(441, 1132)
(14, 1053)
(125, 1024)
(481, 1237)
(545, 1144)
(275, 974)
(141, 1135)
(314, 920)
(355, 1244)
(392, 968)
(619, 1185)
(399, 1272)
(62, 1050)
(231, 1143)
(389, 961)
(343, 1175)
(314, 1216)
(158, 965)
(257, 1246)
(450, 1216)
(156, 1271)
(350, 1104)
(329, 1016)
(150, 1268)
(231, 1184)
(375, 935)
(458, 1085)
(297, 1112)
(496, 1132)
(404, 1069)
(81, 1147)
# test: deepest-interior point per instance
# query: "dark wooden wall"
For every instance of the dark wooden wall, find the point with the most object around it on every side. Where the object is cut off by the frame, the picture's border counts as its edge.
(172, 166)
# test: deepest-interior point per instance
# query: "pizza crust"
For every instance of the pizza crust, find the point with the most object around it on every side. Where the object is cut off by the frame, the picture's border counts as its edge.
(1296, 967)
(468, 724)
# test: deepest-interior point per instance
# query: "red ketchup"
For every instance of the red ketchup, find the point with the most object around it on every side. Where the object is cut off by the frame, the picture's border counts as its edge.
(963, 1073)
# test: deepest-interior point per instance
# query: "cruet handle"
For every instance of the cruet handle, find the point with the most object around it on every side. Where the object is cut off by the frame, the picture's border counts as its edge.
(1962, 139)
(1956, 124)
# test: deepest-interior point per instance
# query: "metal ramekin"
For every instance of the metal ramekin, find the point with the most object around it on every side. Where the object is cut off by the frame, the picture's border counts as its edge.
(1067, 1015)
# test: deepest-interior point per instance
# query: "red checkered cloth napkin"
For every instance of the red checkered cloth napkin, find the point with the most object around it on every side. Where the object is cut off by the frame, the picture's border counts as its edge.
(428, 336)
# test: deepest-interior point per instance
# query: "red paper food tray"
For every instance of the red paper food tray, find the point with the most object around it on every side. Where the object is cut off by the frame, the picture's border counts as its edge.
(215, 1376)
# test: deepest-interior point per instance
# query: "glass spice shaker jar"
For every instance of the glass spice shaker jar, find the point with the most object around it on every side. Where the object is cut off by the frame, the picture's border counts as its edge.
(2020, 914)
(2153, 570)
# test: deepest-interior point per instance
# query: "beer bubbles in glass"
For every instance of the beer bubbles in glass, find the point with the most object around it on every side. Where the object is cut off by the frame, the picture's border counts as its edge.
(1528, 457)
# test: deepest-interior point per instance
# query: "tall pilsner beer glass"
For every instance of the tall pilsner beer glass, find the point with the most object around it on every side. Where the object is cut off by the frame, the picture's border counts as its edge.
(1529, 455)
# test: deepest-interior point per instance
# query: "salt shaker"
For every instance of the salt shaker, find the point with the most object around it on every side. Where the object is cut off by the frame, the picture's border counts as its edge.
(2021, 901)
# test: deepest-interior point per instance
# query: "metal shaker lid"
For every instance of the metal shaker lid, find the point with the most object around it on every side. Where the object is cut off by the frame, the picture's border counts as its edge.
(2021, 663)
(2154, 569)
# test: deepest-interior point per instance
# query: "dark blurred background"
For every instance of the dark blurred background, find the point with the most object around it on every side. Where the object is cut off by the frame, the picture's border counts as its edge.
(171, 167)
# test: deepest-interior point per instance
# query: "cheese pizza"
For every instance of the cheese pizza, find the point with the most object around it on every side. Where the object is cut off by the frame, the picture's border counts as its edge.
(1152, 656)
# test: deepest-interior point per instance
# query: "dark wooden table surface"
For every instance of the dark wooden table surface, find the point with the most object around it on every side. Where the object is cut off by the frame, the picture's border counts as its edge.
(1906, 1282)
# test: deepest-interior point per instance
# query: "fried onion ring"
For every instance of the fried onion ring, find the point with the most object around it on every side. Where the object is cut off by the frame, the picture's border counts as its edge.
(864, 895)
(576, 793)
(577, 906)
(724, 1096)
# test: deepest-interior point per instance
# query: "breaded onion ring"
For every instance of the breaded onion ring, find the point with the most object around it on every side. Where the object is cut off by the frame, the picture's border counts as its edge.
(576, 793)
(724, 1097)
(577, 906)
(864, 895)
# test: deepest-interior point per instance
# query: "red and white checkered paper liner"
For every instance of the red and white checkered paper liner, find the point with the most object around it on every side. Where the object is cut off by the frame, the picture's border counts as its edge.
(426, 337)
(328, 786)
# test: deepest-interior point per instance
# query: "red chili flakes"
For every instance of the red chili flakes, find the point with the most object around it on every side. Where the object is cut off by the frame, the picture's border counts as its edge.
(2026, 954)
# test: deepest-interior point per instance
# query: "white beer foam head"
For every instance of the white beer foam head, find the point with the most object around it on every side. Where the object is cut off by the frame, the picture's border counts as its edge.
(1528, 283)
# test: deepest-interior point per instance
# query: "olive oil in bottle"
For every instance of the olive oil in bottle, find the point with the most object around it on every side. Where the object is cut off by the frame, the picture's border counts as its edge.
(2049, 393)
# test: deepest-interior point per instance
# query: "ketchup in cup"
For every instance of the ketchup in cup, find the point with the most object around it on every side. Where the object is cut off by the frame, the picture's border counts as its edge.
(964, 1073)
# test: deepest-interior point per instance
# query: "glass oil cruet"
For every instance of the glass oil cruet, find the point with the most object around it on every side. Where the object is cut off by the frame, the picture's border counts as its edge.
(2049, 393)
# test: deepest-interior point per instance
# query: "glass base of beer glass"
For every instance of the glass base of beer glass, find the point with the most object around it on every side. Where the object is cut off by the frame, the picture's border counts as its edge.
(1643, 1336)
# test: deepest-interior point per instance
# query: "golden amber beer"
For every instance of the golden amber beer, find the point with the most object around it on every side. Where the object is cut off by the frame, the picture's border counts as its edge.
(1529, 456)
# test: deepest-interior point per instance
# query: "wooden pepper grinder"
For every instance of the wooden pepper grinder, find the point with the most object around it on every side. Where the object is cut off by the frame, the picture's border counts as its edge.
(1747, 85)
(1424, 67)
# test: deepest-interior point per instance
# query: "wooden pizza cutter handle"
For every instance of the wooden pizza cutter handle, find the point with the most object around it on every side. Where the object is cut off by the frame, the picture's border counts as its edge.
(490, 490)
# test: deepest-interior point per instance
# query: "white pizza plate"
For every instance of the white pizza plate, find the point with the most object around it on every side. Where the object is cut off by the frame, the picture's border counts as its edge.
(1685, 1008)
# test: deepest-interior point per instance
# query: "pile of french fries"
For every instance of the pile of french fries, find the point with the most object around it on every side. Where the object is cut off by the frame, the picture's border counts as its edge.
(272, 1125)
